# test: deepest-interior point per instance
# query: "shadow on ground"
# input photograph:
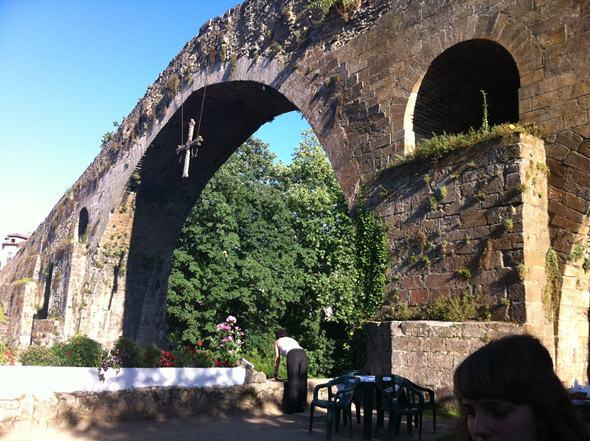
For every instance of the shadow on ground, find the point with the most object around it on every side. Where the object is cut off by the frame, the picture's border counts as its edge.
(218, 428)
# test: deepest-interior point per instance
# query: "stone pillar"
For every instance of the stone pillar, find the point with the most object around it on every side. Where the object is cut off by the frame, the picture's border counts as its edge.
(74, 288)
(25, 324)
(572, 337)
(536, 243)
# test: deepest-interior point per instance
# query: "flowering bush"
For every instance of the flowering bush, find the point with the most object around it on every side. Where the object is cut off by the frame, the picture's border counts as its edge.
(110, 360)
(128, 352)
(227, 342)
(168, 359)
(36, 355)
(189, 356)
(79, 351)
(6, 355)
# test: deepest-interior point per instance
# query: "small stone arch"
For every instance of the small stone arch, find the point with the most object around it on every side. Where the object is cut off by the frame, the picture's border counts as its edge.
(500, 28)
(83, 220)
(43, 312)
(447, 98)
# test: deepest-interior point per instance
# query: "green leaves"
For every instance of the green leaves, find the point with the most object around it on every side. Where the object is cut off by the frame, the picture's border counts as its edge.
(274, 246)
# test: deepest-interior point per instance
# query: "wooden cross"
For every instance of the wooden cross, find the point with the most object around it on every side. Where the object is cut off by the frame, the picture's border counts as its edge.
(186, 148)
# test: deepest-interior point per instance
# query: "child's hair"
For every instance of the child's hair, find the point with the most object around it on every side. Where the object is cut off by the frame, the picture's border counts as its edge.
(519, 369)
(280, 333)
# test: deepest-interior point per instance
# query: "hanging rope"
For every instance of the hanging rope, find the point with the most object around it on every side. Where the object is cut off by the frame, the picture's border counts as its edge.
(201, 112)
(181, 110)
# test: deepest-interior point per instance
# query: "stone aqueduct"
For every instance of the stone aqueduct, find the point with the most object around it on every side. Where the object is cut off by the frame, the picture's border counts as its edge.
(370, 81)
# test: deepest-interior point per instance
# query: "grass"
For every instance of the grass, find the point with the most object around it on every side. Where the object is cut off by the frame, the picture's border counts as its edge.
(342, 5)
(464, 273)
(438, 146)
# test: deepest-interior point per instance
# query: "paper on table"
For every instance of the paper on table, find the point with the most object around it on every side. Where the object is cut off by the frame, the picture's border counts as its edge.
(367, 378)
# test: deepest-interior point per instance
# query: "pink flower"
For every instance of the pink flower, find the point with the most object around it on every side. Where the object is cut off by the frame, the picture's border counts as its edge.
(223, 327)
(230, 319)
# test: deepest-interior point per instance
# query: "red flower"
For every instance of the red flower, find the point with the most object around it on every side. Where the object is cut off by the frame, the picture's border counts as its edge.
(167, 359)
(199, 343)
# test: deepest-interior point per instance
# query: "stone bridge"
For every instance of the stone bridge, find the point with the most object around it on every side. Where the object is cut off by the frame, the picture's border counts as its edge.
(371, 78)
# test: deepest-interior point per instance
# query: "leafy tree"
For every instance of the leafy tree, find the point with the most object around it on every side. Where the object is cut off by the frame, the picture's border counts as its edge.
(275, 246)
(235, 254)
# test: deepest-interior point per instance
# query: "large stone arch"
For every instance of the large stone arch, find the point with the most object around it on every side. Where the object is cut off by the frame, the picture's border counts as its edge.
(238, 99)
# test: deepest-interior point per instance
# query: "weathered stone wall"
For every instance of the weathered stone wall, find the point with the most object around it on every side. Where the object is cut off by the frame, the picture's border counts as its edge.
(428, 352)
(474, 223)
(86, 408)
(352, 76)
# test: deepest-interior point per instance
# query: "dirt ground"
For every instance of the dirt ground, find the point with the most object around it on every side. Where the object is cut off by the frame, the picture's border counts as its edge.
(204, 428)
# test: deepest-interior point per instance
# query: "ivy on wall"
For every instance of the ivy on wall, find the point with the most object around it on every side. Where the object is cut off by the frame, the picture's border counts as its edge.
(552, 291)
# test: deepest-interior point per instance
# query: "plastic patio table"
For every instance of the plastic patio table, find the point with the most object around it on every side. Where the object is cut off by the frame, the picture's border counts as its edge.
(368, 385)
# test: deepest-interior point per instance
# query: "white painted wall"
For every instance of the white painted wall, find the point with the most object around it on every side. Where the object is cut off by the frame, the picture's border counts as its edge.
(41, 380)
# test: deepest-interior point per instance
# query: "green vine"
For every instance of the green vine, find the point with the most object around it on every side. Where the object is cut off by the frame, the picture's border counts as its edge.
(552, 291)
(485, 124)
(371, 260)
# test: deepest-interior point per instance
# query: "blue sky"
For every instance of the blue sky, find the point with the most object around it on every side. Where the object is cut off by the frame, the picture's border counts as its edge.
(68, 69)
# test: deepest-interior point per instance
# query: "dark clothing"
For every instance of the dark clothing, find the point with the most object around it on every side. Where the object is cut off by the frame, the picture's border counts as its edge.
(296, 397)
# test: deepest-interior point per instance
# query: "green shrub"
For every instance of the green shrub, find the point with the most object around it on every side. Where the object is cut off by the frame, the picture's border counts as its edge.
(152, 356)
(36, 355)
(79, 351)
(435, 148)
(265, 362)
(321, 357)
(577, 252)
(454, 309)
(464, 273)
(189, 357)
(128, 352)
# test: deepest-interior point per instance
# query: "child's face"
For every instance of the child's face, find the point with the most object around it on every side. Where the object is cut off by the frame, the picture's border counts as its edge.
(498, 420)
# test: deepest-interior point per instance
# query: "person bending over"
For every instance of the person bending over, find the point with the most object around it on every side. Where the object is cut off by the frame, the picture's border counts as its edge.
(296, 397)
(508, 391)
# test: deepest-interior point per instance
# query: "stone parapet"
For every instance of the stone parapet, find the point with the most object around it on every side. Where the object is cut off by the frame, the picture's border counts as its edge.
(82, 409)
(427, 352)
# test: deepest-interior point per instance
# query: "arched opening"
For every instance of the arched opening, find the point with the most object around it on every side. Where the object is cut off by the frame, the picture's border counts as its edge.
(449, 98)
(233, 111)
(83, 226)
(44, 311)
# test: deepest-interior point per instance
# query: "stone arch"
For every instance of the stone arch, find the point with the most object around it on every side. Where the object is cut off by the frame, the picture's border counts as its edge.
(448, 98)
(500, 29)
(513, 35)
(238, 100)
(409, 135)
(83, 220)
(233, 111)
